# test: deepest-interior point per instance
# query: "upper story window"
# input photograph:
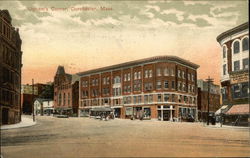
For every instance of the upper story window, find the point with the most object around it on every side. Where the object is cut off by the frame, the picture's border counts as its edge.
(192, 77)
(139, 75)
(224, 69)
(104, 81)
(224, 51)
(183, 74)
(117, 79)
(188, 76)
(245, 44)
(107, 80)
(236, 65)
(179, 73)
(236, 47)
(150, 73)
(166, 72)
(135, 75)
(146, 74)
(158, 72)
(125, 77)
(172, 72)
(245, 63)
(128, 76)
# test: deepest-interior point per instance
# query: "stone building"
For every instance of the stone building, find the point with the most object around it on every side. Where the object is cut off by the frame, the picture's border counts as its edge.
(66, 92)
(202, 101)
(162, 87)
(10, 70)
(235, 73)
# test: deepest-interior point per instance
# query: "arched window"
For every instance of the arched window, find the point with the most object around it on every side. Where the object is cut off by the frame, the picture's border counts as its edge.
(224, 51)
(245, 44)
(236, 47)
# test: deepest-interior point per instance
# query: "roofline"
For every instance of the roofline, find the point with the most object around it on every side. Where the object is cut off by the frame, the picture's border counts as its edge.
(232, 31)
(135, 62)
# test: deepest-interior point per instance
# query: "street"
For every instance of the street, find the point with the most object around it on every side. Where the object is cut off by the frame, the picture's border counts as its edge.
(84, 137)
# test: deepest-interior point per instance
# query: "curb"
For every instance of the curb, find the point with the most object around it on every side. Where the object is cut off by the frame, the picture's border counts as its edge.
(26, 122)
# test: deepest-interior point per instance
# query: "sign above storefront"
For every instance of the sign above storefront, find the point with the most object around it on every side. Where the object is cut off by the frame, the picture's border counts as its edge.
(239, 78)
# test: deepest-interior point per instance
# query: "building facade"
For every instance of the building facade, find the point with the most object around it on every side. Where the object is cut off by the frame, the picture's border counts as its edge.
(235, 70)
(202, 101)
(10, 70)
(43, 106)
(27, 96)
(162, 87)
(66, 92)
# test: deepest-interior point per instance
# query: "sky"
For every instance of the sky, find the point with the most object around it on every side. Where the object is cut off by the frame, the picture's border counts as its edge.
(86, 35)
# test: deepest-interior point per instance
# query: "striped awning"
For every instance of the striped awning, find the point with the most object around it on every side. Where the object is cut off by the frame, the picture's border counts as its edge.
(239, 109)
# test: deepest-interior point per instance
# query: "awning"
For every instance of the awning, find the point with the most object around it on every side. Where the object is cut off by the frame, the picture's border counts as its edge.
(240, 109)
(102, 109)
(218, 112)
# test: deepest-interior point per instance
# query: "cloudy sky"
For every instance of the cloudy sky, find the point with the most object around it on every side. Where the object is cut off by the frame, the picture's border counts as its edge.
(85, 35)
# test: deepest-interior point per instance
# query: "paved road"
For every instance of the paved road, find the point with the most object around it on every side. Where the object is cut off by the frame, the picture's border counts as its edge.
(84, 137)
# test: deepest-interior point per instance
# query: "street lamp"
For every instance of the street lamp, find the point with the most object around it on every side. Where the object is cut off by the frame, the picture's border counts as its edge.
(209, 81)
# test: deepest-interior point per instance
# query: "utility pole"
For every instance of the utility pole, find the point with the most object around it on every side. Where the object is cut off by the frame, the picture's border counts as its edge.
(33, 109)
(209, 81)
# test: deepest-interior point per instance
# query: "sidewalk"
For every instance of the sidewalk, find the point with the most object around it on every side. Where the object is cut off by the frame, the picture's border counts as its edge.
(26, 122)
(218, 125)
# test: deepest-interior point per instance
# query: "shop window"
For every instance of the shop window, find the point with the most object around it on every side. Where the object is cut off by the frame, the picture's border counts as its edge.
(245, 44)
(236, 91)
(147, 113)
(236, 65)
(245, 63)
(245, 89)
(236, 47)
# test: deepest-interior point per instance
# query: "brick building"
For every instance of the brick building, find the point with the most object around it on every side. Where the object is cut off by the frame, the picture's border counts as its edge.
(202, 100)
(162, 87)
(235, 73)
(10, 70)
(66, 92)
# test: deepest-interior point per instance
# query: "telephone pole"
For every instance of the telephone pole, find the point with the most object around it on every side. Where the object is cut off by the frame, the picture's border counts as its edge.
(209, 81)
(33, 109)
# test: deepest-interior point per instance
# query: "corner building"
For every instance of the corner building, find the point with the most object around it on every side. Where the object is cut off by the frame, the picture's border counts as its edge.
(162, 87)
(10, 70)
(235, 73)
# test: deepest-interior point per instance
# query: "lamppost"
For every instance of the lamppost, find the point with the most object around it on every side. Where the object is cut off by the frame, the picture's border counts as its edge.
(209, 81)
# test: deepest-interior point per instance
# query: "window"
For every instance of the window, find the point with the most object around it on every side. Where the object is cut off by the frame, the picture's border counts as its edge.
(188, 76)
(236, 65)
(179, 86)
(183, 74)
(159, 99)
(166, 97)
(224, 52)
(150, 98)
(245, 89)
(134, 100)
(192, 77)
(184, 87)
(158, 72)
(128, 76)
(173, 97)
(145, 98)
(179, 98)
(173, 85)
(165, 84)
(107, 80)
(146, 74)
(236, 47)
(158, 85)
(172, 72)
(139, 75)
(139, 99)
(104, 81)
(166, 72)
(150, 73)
(245, 44)
(224, 69)
(117, 79)
(245, 63)
(125, 77)
(135, 75)
(236, 91)
(179, 73)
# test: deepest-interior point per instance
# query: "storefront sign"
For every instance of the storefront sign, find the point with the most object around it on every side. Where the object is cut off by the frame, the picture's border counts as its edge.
(239, 78)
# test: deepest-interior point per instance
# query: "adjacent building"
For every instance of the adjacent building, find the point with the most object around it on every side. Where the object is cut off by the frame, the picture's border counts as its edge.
(202, 102)
(161, 87)
(28, 96)
(43, 106)
(10, 70)
(66, 92)
(235, 73)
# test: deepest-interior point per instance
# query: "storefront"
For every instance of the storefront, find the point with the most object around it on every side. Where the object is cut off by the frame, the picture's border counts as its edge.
(166, 112)
(117, 112)
(237, 115)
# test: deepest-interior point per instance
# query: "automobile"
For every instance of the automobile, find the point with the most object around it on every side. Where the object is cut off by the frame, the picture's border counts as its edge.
(62, 116)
